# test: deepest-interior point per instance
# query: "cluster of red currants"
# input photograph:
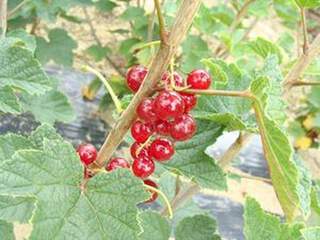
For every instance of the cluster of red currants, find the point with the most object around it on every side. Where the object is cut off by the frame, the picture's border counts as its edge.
(162, 120)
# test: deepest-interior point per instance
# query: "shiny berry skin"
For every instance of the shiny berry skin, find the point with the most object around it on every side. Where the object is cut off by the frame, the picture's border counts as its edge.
(161, 149)
(183, 127)
(168, 104)
(116, 163)
(190, 101)
(178, 80)
(135, 77)
(199, 79)
(145, 110)
(162, 127)
(141, 131)
(135, 148)
(154, 195)
(87, 153)
(143, 167)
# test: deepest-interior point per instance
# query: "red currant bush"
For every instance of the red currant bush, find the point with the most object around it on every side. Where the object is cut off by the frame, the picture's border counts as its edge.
(87, 153)
(145, 110)
(143, 167)
(178, 80)
(199, 79)
(141, 131)
(116, 163)
(137, 151)
(161, 149)
(168, 104)
(154, 195)
(183, 127)
(135, 77)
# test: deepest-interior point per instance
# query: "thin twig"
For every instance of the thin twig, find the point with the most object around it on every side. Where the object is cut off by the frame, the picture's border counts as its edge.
(3, 17)
(226, 93)
(96, 38)
(248, 176)
(151, 25)
(305, 83)
(162, 25)
(234, 149)
(304, 30)
(303, 62)
(17, 8)
(159, 65)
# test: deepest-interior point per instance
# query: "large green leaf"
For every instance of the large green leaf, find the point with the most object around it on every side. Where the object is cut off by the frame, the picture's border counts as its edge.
(191, 160)
(308, 3)
(154, 226)
(232, 112)
(8, 101)
(18, 68)
(260, 225)
(200, 227)
(6, 231)
(59, 48)
(16, 209)
(265, 48)
(28, 39)
(48, 108)
(63, 211)
(311, 233)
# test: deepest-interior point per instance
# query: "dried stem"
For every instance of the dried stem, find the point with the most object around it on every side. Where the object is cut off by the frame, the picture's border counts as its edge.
(305, 83)
(159, 65)
(304, 30)
(96, 38)
(3, 17)
(235, 149)
(303, 62)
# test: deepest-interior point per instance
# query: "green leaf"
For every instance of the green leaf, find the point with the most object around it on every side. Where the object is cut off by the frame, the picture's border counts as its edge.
(43, 132)
(200, 227)
(16, 209)
(194, 49)
(154, 226)
(8, 101)
(191, 160)
(260, 225)
(6, 231)
(49, 108)
(311, 233)
(105, 5)
(234, 113)
(59, 48)
(265, 48)
(132, 13)
(18, 68)
(308, 3)
(63, 211)
(98, 52)
(28, 39)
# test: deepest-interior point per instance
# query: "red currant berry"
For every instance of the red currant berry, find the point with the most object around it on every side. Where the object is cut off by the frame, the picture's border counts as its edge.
(190, 101)
(161, 149)
(135, 77)
(154, 195)
(116, 163)
(141, 131)
(178, 80)
(145, 110)
(168, 104)
(183, 127)
(162, 127)
(143, 167)
(199, 79)
(135, 147)
(87, 153)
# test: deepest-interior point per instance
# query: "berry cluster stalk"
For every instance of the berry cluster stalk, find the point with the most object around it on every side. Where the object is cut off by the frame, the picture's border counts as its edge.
(159, 65)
